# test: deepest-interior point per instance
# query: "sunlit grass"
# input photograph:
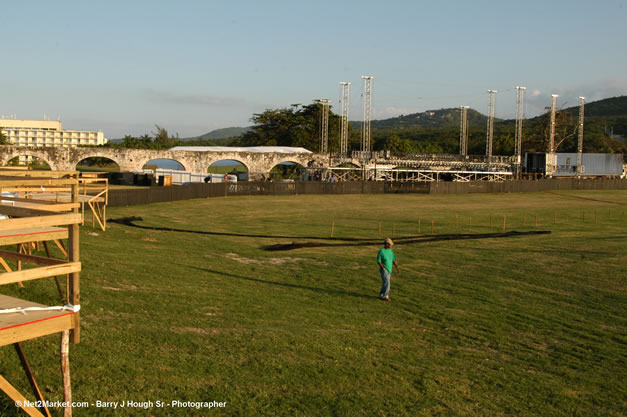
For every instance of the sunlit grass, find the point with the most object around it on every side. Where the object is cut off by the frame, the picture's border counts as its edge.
(528, 325)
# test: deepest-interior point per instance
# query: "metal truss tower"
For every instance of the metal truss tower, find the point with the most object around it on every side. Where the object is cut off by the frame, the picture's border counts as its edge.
(552, 127)
(367, 100)
(490, 134)
(463, 131)
(580, 167)
(324, 125)
(344, 103)
(520, 115)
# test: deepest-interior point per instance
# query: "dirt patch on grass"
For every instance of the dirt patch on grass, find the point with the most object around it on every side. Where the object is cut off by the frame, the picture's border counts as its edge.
(196, 330)
(123, 288)
(271, 261)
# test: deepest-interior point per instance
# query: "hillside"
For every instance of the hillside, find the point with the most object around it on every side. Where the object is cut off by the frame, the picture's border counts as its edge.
(606, 108)
(427, 120)
(225, 133)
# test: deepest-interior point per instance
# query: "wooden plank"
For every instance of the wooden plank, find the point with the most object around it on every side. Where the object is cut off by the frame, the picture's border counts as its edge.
(36, 182)
(17, 327)
(35, 329)
(18, 398)
(17, 211)
(36, 190)
(40, 234)
(41, 221)
(41, 272)
(37, 174)
(74, 279)
(37, 260)
(48, 206)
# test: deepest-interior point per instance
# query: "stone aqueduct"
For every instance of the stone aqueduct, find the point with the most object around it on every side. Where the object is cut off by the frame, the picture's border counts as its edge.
(258, 164)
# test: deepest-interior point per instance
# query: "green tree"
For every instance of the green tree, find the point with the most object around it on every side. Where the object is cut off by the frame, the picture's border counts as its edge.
(296, 125)
(162, 140)
(3, 138)
(394, 143)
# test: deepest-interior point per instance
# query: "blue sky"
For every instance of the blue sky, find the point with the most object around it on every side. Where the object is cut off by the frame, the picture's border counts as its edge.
(194, 66)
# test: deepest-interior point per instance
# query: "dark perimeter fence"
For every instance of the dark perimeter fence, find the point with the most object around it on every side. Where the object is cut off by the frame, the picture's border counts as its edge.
(127, 197)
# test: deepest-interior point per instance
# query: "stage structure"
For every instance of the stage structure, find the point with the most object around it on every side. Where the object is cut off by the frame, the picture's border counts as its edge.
(490, 133)
(580, 167)
(27, 223)
(520, 117)
(324, 124)
(463, 130)
(387, 166)
(344, 104)
(366, 147)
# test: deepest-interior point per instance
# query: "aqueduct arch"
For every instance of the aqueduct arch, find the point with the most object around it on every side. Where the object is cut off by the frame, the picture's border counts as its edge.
(257, 163)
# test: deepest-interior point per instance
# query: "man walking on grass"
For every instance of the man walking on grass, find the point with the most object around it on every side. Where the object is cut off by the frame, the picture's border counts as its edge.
(386, 259)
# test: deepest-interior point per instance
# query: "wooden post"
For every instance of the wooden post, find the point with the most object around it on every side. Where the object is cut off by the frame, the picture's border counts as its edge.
(74, 256)
(56, 279)
(332, 228)
(432, 226)
(504, 222)
(65, 370)
(419, 226)
(456, 223)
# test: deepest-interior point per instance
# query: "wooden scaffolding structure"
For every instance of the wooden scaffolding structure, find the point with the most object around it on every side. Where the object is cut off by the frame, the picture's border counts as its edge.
(33, 221)
(93, 193)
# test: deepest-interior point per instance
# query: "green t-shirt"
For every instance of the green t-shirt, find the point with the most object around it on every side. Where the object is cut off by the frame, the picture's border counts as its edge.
(387, 258)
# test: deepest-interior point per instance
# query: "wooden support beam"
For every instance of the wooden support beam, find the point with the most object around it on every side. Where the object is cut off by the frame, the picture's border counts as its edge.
(34, 259)
(61, 247)
(51, 206)
(42, 272)
(41, 221)
(56, 279)
(31, 378)
(74, 281)
(18, 398)
(21, 173)
(42, 183)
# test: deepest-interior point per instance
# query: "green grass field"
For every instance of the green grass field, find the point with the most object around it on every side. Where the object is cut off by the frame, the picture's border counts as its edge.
(530, 325)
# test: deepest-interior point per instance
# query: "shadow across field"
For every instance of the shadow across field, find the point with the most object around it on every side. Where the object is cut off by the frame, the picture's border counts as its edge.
(404, 240)
(341, 242)
(326, 291)
(131, 221)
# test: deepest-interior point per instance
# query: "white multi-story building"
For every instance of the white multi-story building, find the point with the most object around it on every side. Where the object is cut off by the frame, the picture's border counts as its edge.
(47, 133)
